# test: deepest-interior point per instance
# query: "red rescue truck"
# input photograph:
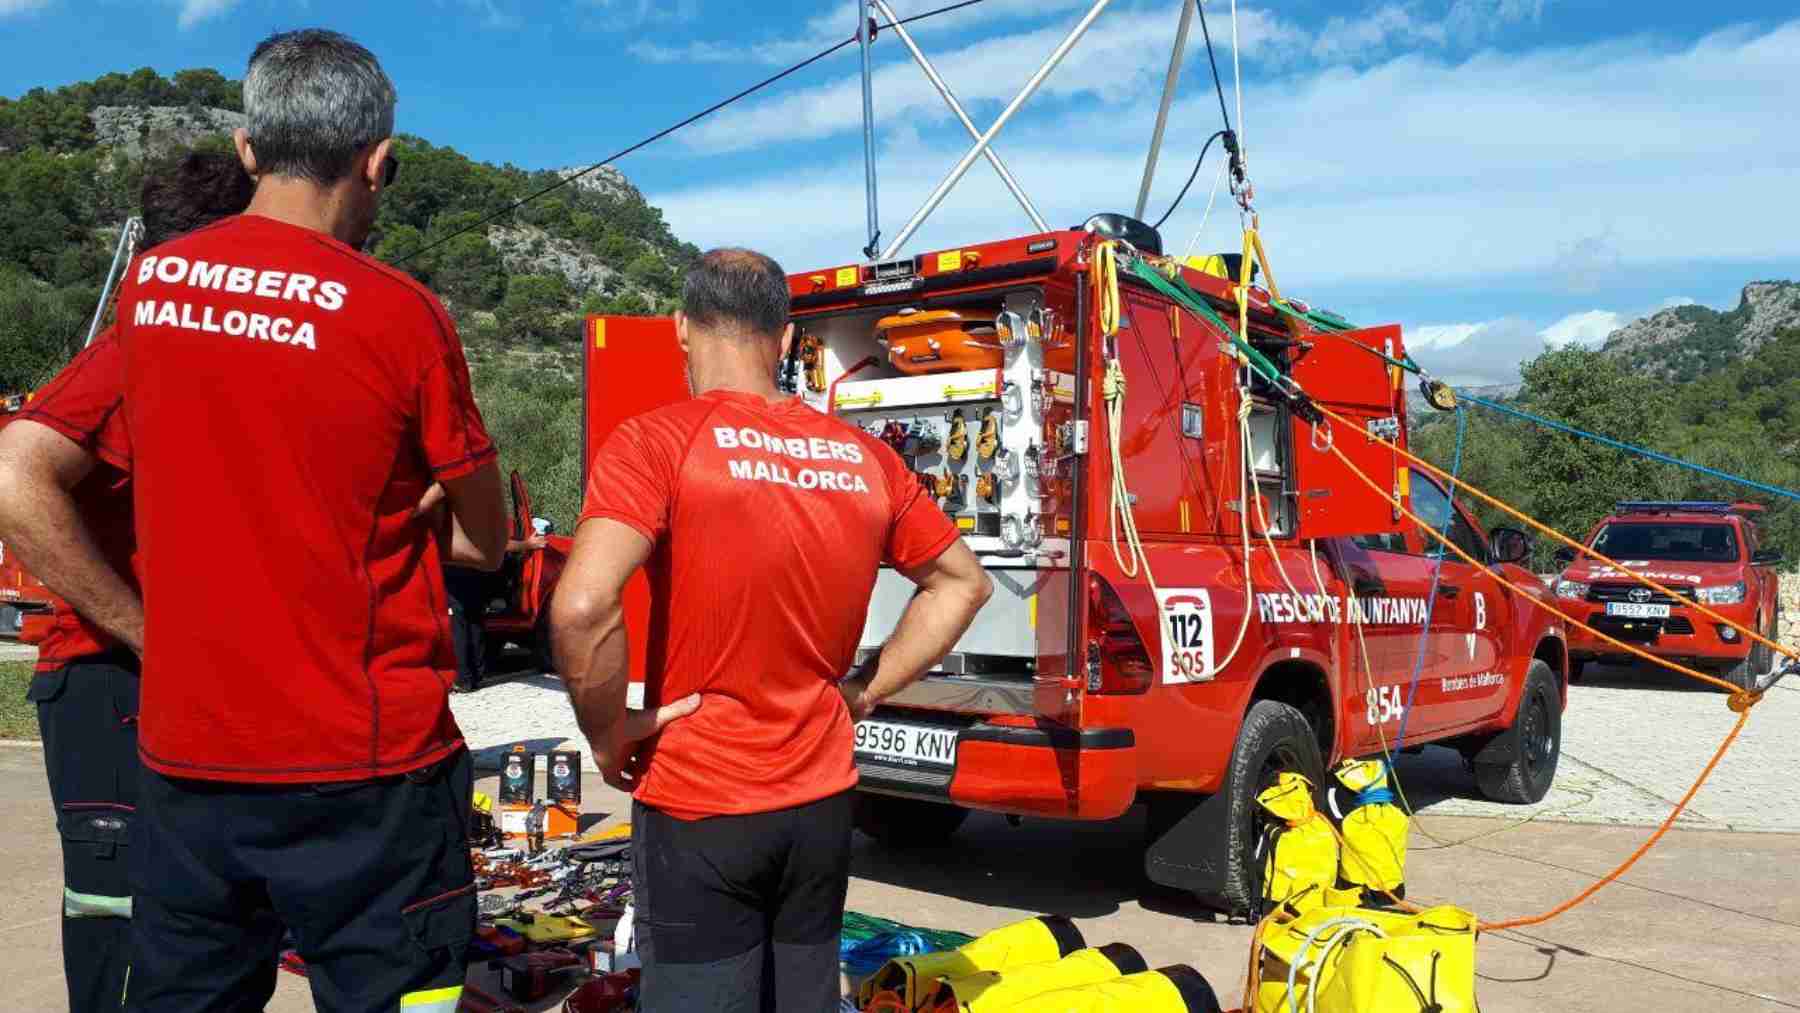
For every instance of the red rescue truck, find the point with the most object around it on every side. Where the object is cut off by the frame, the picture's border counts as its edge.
(24, 603)
(1709, 553)
(1285, 604)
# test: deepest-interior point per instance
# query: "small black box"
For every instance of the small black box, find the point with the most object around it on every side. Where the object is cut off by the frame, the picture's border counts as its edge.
(518, 777)
(564, 778)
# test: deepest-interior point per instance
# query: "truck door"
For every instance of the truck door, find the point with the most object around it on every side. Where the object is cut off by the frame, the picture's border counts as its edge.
(1464, 677)
(1386, 583)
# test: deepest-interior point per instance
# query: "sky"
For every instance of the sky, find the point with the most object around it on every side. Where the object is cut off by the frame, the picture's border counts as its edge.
(1498, 176)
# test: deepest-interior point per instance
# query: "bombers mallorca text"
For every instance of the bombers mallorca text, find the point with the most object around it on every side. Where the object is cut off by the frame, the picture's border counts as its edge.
(282, 285)
(813, 448)
(1325, 608)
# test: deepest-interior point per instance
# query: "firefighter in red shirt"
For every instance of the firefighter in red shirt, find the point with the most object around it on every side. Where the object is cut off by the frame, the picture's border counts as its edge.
(761, 524)
(291, 398)
(86, 682)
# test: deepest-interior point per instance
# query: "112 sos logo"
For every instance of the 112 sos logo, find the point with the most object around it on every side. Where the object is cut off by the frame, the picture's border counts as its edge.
(1186, 619)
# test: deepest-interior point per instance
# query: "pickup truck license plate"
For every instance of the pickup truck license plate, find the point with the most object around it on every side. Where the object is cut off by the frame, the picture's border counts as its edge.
(1633, 610)
(906, 745)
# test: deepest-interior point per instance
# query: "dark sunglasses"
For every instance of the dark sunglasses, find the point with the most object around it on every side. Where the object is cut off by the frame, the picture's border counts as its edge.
(390, 170)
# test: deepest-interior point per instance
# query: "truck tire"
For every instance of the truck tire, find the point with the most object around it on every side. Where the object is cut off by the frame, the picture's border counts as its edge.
(1522, 774)
(1274, 738)
(1746, 673)
(906, 822)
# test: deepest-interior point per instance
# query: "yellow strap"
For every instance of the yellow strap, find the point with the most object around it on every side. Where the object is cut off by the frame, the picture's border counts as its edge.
(433, 1000)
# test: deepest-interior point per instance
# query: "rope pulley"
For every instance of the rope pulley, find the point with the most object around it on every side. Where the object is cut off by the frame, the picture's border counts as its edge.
(1438, 394)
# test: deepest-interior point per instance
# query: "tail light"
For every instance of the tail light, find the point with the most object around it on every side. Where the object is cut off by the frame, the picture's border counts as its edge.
(1117, 660)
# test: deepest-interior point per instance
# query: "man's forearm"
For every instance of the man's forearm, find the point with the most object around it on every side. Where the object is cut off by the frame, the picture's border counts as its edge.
(932, 624)
(41, 523)
(595, 660)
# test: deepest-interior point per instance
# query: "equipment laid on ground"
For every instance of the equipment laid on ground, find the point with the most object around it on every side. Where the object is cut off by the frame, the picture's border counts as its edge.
(992, 991)
(518, 777)
(1297, 850)
(563, 782)
(530, 976)
(910, 980)
(1373, 852)
(1174, 989)
(1362, 960)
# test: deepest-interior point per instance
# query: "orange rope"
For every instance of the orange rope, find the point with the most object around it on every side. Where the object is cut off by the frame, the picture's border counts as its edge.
(1533, 596)
(1559, 536)
(1514, 923)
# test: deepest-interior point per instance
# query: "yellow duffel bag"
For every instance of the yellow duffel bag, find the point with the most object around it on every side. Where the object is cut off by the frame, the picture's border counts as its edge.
(1175, 989)
(1039, 940)
(1362, 960)
(1374, 847)
(1298, 854)
(989, 991)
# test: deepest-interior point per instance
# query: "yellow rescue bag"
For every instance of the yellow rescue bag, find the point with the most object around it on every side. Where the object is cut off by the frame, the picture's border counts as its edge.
(1175, 989)
(1299, 854)
(1374, 848)
(990, 991)
(1037, 940)
(548, 928)
(1362, 960)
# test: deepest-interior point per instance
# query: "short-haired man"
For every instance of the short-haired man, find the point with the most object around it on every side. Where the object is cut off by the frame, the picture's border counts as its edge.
(290, 399)
(86, 682)
(760, 587)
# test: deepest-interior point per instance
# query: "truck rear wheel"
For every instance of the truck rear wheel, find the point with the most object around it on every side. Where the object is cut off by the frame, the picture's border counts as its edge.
(1274, 738)
(906, 822)
(1522, 772)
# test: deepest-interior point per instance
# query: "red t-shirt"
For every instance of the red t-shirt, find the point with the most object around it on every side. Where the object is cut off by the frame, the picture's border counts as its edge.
(769, 523)
(290, 399)
(83, 402)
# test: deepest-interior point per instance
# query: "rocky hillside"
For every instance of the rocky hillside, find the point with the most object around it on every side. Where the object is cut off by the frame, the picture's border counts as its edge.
(1685, 342)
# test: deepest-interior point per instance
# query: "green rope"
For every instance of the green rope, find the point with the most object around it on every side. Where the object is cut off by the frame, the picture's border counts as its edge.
(1195, 303)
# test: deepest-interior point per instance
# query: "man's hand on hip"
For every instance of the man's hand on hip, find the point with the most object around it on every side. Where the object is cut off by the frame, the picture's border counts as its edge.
(617, 757)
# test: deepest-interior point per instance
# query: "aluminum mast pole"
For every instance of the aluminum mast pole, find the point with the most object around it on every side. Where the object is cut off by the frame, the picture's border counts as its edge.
(943, 89)
(868, 97)
(1168, 98)
(981, 145)
(128, 240)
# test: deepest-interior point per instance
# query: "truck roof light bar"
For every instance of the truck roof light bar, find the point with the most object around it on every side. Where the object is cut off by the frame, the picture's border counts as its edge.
(1647, 506)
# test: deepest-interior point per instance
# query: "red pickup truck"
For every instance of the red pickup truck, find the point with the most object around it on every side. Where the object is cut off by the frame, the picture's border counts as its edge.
(1709, 553)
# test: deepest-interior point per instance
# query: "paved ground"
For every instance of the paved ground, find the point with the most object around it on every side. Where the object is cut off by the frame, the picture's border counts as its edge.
(10, 651)
(1707, 921)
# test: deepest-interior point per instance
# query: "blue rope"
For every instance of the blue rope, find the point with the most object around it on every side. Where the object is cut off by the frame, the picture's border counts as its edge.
(1437, 570)
(1374, 796)
(1617, 445)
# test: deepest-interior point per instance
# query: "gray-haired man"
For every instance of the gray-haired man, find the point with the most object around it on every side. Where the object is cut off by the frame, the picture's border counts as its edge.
(292, 398)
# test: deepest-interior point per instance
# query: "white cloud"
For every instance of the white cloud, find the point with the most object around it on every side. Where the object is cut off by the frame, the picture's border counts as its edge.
(494, 13)
(1674, 301)
(11, 7)
(1412, 170)
(1589, 329)
(192, 12)
(622, 14)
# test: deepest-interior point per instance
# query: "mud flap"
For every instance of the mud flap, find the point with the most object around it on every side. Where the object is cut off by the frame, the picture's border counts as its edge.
(1192, 855)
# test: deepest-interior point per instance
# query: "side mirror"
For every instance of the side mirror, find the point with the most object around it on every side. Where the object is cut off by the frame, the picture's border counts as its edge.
(1509, 545)
(1563, 557)
(1766, 557)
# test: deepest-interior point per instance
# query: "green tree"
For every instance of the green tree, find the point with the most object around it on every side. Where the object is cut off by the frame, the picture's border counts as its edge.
(535, 306)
